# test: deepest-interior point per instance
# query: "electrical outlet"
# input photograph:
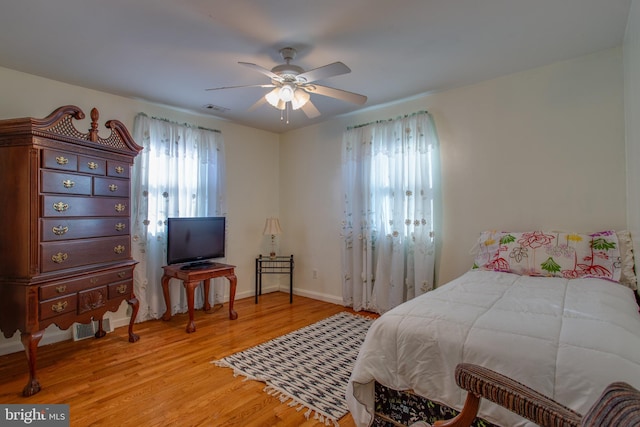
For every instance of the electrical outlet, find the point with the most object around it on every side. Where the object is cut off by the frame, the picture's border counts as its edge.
(315, 273)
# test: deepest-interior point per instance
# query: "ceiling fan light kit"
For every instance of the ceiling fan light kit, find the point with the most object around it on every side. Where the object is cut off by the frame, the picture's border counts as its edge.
(286, 92)
(292, 85)
(299, 99)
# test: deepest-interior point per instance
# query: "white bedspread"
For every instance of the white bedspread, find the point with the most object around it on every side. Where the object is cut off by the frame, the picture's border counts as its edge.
(567, 339)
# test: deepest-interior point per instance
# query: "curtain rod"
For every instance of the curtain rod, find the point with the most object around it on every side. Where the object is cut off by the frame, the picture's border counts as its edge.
(181, 124)
(388, 120)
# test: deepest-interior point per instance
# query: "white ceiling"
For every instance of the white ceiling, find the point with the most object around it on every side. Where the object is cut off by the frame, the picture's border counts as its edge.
(170, 51)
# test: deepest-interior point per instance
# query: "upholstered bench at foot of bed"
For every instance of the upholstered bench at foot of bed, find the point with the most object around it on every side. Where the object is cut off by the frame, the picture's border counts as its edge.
(618, 405)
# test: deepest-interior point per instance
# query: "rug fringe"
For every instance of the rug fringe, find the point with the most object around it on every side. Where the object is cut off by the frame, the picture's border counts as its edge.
(284, 397)
(236, 372)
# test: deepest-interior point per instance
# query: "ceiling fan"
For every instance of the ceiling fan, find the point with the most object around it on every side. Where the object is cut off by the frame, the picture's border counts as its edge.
(292, 85)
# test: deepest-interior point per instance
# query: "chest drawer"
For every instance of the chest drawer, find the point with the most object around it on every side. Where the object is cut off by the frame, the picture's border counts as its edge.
(68, 254)
(120, 289)
(57, 306)
(92, 165)
(52, 159)
(64, 183)
(92, 299)
(66, 287)
(118, 169)
(67, 229)
(66, 206)
(110, 187)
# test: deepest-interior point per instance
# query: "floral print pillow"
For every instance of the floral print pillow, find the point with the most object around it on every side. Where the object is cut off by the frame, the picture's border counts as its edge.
(487, 246)
(558, 254)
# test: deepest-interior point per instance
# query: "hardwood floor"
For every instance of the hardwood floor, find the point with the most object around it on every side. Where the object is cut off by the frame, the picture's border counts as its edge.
(166, 378)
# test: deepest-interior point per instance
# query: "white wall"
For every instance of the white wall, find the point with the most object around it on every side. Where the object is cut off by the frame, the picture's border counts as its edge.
(562, 122)
(252, 172)
(538, 149)
(632, 119)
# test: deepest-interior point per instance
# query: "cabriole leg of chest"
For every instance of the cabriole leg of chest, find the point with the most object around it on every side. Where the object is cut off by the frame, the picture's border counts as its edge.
(135, 306)
(30, 342)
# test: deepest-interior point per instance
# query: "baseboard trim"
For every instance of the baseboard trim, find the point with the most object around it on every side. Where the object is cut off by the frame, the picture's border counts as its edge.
(53, 334)
(314, 295)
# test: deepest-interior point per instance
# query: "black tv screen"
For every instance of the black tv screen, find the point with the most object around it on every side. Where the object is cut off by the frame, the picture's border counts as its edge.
(192, 240)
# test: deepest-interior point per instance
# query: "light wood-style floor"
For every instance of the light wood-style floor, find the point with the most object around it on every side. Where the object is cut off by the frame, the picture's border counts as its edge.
(166, 378)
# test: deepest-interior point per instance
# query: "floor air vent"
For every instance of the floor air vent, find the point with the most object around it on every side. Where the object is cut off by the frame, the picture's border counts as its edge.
(88, 330)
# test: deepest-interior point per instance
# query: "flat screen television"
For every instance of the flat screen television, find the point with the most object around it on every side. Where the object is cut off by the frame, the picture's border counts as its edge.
(195, 241)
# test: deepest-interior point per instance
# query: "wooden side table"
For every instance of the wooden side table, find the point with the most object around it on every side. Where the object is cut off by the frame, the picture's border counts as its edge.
(191, 278)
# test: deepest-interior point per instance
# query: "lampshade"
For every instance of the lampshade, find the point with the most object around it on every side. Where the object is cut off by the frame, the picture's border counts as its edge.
(273, 98)
(286, 92)
(272, 227)
(300, 97)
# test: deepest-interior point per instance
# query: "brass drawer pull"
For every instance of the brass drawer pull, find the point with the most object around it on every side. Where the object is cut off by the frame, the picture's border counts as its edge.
(59, 306)
(120, 207)
(120, 226)
(60, 206)
(62, 160)
(119, 169)
(113, 188)
(68, 183)
(122, 274)
(92, 165)
(122, 289)
(60, 230)
(119, 249)
(93, 280)
(61, 289)
(59, 258)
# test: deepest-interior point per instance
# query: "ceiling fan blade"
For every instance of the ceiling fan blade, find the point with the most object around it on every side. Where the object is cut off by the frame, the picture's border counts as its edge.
(261, 101)
(310, 110)
(236, 87)
(334, 69)
(336, 93)
(262, 70)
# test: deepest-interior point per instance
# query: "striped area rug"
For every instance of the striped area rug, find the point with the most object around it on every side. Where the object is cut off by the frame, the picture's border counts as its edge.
(308, 368)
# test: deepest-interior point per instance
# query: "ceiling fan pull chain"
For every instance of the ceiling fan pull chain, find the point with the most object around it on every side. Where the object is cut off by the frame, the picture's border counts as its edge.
(281, 114)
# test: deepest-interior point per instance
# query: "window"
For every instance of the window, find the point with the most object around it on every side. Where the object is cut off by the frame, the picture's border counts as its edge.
(390, 172)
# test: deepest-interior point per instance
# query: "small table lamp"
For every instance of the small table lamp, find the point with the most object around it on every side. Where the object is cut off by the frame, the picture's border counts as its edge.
(272, 227)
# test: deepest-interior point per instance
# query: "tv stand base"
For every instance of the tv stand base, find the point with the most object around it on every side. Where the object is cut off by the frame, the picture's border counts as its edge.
(191, 278)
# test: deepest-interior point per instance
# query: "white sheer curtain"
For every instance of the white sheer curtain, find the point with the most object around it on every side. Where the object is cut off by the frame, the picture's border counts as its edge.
(179, 173)
(391, 180)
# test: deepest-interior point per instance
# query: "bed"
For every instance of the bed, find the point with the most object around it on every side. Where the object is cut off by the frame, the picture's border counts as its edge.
(555, 311)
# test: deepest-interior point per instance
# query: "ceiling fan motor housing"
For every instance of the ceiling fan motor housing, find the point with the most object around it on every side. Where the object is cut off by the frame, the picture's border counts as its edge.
(287, 72)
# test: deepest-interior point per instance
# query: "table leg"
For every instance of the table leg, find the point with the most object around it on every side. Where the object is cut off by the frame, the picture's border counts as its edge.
(190, 288)
(233, 281)
(167, 297)
(257, 275)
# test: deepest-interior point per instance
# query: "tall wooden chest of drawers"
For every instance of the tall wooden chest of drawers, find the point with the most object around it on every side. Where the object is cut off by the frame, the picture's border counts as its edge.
(65, 245)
